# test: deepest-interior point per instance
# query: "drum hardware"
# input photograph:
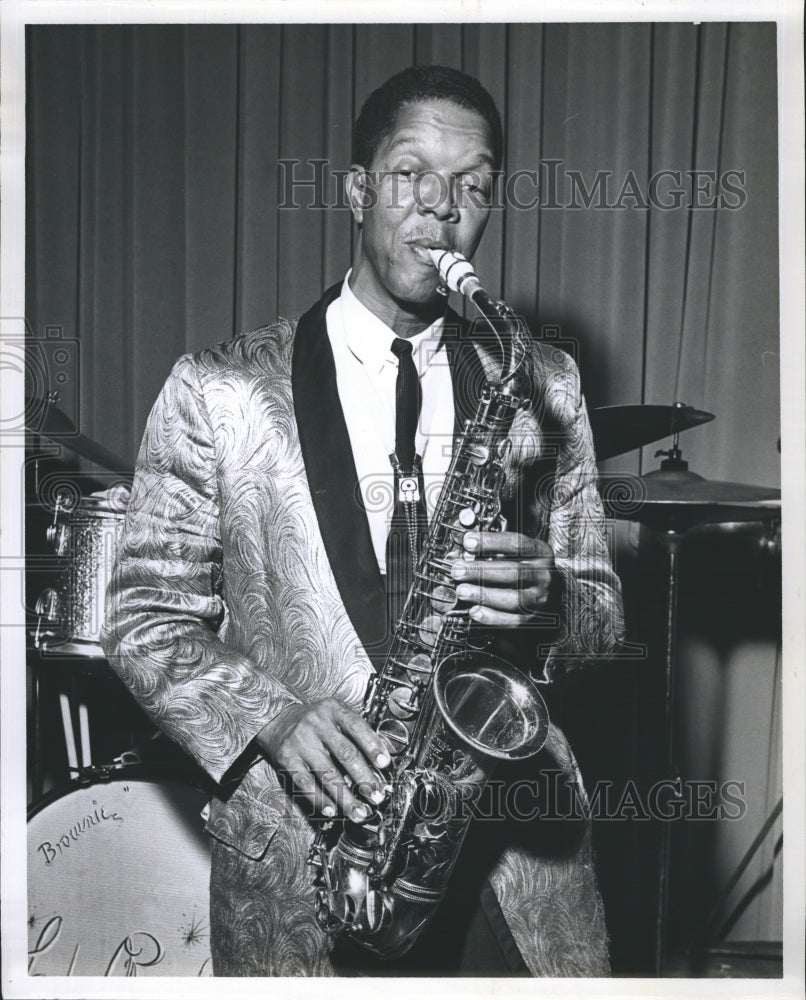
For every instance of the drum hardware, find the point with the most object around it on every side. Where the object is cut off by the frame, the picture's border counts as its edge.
(85, 535)
(48, 607)
(53, 424)
(166, 758)
(49, 603)
(57, 531)
(621, 429)
(90, 774)
(676, 500)
(712, 932)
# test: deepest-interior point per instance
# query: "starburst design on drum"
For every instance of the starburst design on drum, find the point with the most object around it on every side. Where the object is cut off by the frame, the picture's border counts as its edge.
(34, 919)
(193, 931)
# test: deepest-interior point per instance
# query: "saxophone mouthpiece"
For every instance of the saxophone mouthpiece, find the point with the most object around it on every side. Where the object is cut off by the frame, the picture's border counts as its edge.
(456, 271)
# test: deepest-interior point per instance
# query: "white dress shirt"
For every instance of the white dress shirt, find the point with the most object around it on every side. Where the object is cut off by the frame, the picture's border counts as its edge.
(366, 377)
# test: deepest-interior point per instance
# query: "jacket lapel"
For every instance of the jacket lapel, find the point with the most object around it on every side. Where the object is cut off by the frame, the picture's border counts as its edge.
(333, 479)
(330, 468)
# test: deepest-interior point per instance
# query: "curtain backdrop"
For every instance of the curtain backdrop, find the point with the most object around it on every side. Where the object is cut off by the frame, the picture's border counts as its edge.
(155, 228)
(154, 183)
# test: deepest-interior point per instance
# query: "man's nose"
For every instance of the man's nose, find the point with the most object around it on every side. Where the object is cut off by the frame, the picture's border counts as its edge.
(435, 194)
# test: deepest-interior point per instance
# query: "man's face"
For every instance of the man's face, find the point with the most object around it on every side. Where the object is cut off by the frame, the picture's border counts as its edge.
(429, 185)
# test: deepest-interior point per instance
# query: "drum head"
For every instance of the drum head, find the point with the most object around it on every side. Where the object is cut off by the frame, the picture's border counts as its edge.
(118, 880)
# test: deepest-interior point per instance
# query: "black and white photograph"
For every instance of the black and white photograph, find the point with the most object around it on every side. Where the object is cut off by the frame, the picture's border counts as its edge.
(402, 500)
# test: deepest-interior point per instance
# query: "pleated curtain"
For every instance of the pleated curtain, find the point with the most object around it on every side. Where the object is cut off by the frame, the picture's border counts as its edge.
(155, 187)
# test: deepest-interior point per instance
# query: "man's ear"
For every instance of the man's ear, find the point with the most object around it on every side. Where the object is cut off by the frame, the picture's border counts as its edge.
(359, 196)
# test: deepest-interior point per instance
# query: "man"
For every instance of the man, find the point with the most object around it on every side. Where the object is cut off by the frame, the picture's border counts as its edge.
(249, 595)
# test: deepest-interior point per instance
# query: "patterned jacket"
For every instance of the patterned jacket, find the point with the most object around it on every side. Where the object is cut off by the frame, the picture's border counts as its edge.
(246, 582)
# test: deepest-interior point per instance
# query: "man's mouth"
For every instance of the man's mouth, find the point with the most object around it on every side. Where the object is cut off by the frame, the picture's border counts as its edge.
(427, 243)
(420, 247)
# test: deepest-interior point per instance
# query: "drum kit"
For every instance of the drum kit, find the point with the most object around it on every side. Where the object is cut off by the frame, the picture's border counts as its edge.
(82, 836)
(118, 861)
(672, 500)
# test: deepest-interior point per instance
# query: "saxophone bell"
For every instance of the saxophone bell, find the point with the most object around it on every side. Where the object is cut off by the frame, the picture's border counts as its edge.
(490, 705)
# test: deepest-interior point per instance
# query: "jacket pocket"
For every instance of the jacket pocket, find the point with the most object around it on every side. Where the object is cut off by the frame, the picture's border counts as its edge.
(246, 824)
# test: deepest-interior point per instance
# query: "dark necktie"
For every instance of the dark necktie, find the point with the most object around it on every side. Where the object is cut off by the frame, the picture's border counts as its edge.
(408, 399)
(408, 517)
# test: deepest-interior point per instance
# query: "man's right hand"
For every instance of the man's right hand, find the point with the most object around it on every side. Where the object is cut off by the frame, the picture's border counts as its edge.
(330, 753)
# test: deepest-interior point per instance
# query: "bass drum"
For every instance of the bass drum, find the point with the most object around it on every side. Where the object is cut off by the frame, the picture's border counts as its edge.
(118, 878)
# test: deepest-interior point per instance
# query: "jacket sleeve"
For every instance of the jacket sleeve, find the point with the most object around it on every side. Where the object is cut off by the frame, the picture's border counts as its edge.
(592, 618)
(164, 605)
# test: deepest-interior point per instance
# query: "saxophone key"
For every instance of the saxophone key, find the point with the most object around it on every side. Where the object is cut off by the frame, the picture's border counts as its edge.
(418, 667)
(468, 517)
(478, 454)
(452, 552)
(395, 734)
(443, 598)
(429, 629)
(402, 703)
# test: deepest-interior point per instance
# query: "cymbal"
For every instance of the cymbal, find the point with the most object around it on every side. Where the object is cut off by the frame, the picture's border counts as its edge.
(54, 424)
(619, 429)
(681, 486)
(676, 499)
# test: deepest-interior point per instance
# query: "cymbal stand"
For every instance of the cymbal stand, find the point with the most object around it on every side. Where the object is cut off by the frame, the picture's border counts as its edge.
(671, 542)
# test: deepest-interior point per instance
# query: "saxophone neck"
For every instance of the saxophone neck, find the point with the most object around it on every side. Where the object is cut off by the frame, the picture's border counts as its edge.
(512, 334)
(514, 377)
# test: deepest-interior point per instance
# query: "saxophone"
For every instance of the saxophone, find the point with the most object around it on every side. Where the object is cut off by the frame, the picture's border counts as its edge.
(447, 711)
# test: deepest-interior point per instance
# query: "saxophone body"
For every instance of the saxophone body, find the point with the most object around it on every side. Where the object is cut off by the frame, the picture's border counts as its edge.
(447, 711)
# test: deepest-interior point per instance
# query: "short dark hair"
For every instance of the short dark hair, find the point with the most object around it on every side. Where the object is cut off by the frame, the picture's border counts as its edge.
(421, 83)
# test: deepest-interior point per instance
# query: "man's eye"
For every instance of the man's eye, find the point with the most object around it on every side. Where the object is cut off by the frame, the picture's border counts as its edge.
(476, 190)
(472, 183)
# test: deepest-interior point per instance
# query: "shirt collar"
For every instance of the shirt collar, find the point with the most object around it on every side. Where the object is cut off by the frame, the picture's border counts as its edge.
(370, 339)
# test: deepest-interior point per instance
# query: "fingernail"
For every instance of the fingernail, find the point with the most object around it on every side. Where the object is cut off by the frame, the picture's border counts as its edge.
(459, 571)
(475, 613)
(376, 796)
(463, 591)
(328, 811)
(361, 813)
(471, 541)
(382, 760)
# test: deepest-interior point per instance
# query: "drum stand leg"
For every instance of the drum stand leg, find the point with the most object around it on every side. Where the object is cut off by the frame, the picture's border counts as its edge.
(672, 541)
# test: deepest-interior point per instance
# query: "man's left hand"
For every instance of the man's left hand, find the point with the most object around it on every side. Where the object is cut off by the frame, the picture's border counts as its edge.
(508, 582)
